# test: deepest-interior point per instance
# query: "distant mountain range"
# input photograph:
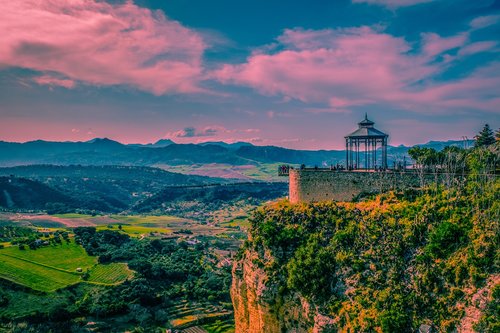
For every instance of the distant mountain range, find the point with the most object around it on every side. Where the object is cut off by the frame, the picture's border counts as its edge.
(103, 151)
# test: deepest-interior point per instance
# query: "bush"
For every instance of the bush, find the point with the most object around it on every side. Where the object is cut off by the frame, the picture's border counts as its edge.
(312, 270)
(444, 239)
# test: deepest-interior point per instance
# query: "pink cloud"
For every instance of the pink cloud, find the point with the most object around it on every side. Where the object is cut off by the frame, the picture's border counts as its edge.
(327, 110)
(478, 47)
(53, 81)
(347, 68)
(192, 132)
(484, 21)
(338, 102)
(393, 3)
(433, 44)
(319, 65)
(477, 91)
(101, 44)
(211, 133)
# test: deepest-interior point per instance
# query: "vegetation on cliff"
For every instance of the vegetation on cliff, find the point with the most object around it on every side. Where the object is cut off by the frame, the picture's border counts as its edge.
(393, 262)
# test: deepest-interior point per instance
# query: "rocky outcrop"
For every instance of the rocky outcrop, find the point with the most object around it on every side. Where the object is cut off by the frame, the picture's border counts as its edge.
(260, 307)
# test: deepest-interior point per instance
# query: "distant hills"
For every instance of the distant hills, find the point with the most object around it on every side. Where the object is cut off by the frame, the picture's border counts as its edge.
(99, 188)
(103, 151)
(30, 194)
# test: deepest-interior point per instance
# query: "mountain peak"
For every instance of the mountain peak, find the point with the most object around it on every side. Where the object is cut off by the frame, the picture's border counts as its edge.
(104, 141)
(163, 143)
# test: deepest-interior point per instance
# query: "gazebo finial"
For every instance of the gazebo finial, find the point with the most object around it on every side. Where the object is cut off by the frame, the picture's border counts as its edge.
(366, 115)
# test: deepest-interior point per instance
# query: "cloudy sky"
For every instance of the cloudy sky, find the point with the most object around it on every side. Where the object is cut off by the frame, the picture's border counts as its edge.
(297, 74)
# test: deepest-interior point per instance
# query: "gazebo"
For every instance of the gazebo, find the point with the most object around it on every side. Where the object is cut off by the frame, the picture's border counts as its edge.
(362, 144)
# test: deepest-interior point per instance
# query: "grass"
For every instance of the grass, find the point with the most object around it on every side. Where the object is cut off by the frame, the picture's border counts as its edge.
(134, 230)
(35, 276)
(54, 267)
(136, 225)
(110, 274)
(66, 256)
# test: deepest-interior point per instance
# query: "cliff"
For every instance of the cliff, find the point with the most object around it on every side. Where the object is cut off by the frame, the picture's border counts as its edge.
(259, 307)
(399, 262)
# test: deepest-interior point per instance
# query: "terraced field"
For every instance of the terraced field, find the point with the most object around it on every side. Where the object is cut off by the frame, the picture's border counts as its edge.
(225, 326)
(190, 315)
(110, 274)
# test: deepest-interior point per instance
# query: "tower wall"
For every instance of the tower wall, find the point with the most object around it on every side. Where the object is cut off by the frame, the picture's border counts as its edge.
(312, 185)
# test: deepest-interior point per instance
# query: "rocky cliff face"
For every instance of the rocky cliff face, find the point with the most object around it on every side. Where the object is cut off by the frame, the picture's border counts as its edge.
(260, 307)
(401, 262)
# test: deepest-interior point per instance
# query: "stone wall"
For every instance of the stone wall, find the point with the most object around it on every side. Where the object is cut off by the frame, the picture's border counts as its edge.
(312, 185)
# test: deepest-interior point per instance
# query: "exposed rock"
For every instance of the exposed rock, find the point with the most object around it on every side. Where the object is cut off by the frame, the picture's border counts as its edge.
(478, 302)
(259, 307)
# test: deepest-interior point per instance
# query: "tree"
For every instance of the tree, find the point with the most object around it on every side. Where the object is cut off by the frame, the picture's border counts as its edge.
(485, 137)
(497, 135)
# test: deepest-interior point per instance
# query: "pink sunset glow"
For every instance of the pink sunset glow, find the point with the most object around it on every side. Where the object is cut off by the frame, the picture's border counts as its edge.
(101, 44)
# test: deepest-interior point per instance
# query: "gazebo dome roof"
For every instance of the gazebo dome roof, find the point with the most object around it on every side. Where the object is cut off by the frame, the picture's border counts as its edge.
(366, 130)
(366, 122)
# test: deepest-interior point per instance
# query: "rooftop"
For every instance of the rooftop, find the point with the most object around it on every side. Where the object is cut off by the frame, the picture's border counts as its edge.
(366, 130)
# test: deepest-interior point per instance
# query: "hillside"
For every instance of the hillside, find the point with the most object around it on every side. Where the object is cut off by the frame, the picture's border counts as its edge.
(395, 263)
(100, 188)
(20, 193)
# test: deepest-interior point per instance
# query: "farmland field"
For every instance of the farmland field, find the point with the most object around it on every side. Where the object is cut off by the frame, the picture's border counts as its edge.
(135, 230)
(54, 267)
(35, 276)
(66, 256)
(113, 273)
(152, 221)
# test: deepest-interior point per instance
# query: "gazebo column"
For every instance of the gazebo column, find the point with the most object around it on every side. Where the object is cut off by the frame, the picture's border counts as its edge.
(357, 152)
(366, 153)
(351, 152)
(346, 153)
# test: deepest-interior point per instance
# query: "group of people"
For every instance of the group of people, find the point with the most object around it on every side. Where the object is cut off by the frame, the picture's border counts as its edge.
(284, 169)
(337, 167)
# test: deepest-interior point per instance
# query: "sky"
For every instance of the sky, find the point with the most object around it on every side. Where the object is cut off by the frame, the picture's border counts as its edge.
(297, 74)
